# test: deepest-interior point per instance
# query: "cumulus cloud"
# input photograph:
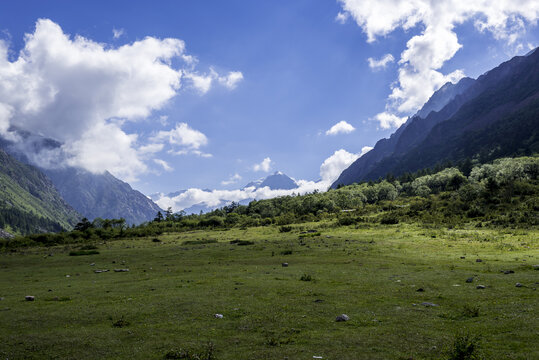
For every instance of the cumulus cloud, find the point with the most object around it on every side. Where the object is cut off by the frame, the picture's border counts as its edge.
(81, 93)
(183, 136)
(264, 166)
(380, 63)
(330, 170)
(419, 66)
(232, 180)
(231, 80)
(342, 127)
(334, 165)
(388, 120)
(203, 82)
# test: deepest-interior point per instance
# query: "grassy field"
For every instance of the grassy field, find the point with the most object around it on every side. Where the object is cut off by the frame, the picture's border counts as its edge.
(175, 285)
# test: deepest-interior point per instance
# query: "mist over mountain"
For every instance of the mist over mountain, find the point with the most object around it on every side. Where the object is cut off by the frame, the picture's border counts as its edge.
(493, 116)
(91, 195)
(194, 201)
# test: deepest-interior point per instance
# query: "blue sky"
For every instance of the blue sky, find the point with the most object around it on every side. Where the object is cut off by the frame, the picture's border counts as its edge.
(304, 68)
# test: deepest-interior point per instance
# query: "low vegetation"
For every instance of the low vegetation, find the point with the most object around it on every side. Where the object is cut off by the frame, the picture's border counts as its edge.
(440, 266)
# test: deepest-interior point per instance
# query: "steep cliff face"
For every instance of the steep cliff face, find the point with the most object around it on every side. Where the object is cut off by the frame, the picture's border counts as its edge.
(491, 116)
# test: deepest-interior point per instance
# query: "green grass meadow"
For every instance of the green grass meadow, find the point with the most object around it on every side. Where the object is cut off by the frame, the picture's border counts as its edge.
(167, 300)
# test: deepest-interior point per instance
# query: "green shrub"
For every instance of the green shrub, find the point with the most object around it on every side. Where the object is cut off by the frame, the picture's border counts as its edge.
(389, 219)
(199, 242)
(83, 252)
(284, 229)
(242, 242)
(465, 347)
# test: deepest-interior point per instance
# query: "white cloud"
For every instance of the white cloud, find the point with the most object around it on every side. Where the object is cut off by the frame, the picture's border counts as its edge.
(334, 165)
(264, 166)
(342, 17)
(163, 164)
(200, 82)
(203, 83)
(329, 172)
(342, 127)
(182, 135)
(232, 79)
(425, 54)
(81, 92)
(232, 180)
(364, 150)
(117, 33)
(151, 148)
(117, 152)
(184, 140)
(381, 63)
(388, 120)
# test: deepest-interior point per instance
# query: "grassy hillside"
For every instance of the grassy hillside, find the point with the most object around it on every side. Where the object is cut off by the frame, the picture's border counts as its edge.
(29, 202)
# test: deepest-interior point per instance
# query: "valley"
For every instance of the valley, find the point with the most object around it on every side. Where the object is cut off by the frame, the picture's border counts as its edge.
(404, 288)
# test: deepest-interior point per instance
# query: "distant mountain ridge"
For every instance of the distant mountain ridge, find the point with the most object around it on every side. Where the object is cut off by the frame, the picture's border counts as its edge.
(92, 195)
(493, 116)
(276, 181)
(102, 195)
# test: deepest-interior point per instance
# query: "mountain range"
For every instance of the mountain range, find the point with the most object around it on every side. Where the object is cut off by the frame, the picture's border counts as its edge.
(275, 181)
(91, 195)
(29, 201)
(494, 116)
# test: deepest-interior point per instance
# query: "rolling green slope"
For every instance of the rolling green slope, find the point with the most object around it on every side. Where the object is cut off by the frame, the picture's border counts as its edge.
(29, 202)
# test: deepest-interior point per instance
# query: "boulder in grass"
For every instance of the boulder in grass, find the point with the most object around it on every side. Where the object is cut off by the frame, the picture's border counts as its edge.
(480, 287)
(29, 298)
(428, 304)
(469, 280)
(218, 316)
(342, 317)
(121, 270)
(285, 264)
(518, 285)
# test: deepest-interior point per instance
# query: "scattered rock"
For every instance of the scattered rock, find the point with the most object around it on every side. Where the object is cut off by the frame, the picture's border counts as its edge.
(420, 290)
(121, 270)
(1, 298)
(68, 276)
(463, 257)
(480, 287)
(478, 260)
(535, 267)
(218, 316)
(518, 285)
(101, 271)
(285, 264)
(508, 272)
(92, 264)
(316, 301)
(56, 298)
(342, 317)
(428, 304)
(469, 280)
(29, 298)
